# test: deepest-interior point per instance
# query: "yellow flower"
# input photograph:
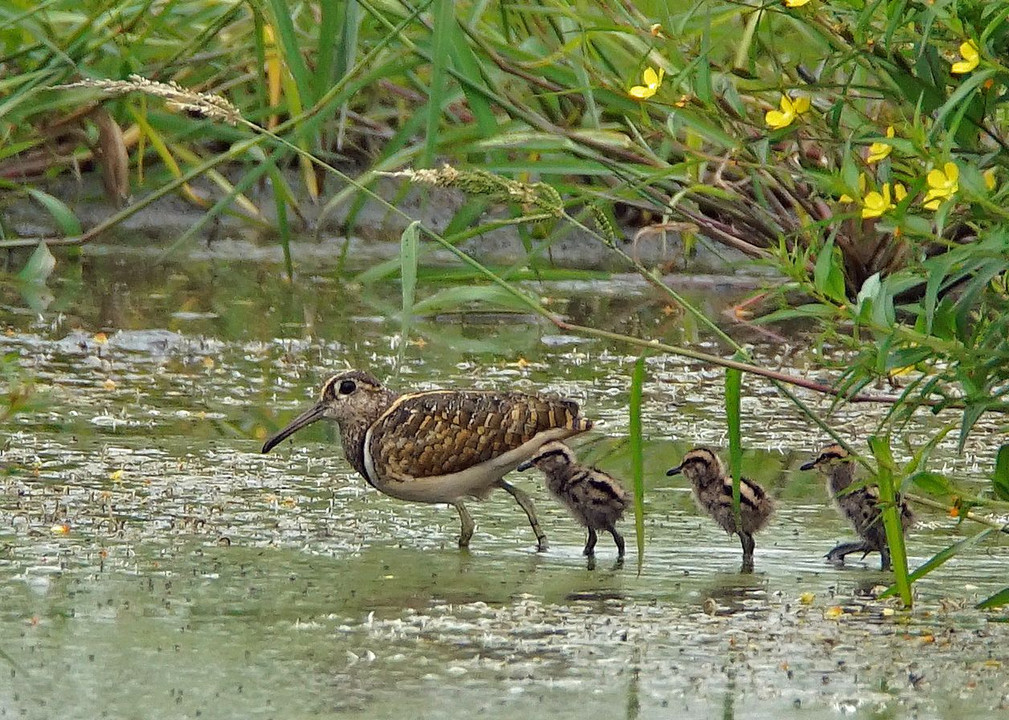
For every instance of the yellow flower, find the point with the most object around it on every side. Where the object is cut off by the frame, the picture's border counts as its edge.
(652, 82)
(796, 3)
(790, 110)
(875, 204)
(971, 57)
(989, 179)
(942, 184)
(861, 190)
(879, 150)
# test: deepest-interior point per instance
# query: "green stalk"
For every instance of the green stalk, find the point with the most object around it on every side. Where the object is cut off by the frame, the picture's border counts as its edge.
(444, 23)
(733, 392)
(890, 510)
(637, 457)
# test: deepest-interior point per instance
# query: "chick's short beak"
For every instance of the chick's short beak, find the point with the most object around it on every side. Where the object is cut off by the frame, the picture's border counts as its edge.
(675, 471)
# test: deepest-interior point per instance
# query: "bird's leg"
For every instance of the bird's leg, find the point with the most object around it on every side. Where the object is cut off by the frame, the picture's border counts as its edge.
(884, 558)
(526, 503)
(747, 541)
(836, 555)
(618, 539)
(590, 544)
(467, 524)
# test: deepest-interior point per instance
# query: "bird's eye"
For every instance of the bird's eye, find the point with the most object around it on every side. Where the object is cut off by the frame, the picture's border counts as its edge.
(347, 387)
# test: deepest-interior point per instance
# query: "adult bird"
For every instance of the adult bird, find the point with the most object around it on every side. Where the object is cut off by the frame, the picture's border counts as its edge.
(439, 446)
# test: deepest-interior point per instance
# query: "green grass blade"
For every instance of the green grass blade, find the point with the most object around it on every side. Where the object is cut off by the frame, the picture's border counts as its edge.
(409, 249)
(64, 217)
(38, 267)
(733, 392)
(1000, 480)
(283, 226)
(637, 457)
(330, 53)
(891, 516)
(941, 557)
(444, 22)
(997, 600)
(287, 38)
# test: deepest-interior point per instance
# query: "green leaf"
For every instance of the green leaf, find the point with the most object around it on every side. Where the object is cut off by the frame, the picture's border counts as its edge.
(65, 220)
(941, 557)
(891, 516)
(637, 456)
(444, 22)
(733, 391)
(39, 266)
(971, 414)
(409, 244)
(458, 299)
(997, 600)
(933, 483)
(1000, 480)
(290, 47)
(812, 310)
(828, 279)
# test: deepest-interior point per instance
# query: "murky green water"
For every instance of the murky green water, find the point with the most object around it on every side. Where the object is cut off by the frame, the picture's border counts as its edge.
(154, 564)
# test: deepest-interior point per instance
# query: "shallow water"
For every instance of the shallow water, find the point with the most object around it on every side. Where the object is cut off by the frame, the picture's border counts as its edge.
(153, 563)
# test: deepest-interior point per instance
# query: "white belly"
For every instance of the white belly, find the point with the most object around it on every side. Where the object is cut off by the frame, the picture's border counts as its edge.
(474, 482)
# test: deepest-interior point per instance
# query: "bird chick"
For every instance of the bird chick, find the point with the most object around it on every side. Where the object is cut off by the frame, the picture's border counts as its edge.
(595, 499)
(713, 493)
(860, 506)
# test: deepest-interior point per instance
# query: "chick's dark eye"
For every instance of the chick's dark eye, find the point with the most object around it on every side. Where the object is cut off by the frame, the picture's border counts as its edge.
(347, 387)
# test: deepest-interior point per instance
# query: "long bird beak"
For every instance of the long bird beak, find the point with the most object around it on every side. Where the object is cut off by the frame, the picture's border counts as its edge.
(675, 471)
(808, 466)
(316, 412)
(525, 466)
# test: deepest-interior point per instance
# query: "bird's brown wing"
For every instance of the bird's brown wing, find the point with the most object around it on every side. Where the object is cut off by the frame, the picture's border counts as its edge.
(440, 432)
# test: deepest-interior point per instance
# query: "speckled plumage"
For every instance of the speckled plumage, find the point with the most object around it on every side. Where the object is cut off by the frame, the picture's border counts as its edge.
(441, 432)
(860, 506)
(713, 494)
(440, 445)
(595, 499)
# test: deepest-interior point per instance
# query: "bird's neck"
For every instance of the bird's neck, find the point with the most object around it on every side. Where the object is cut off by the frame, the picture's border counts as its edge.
(840, 477)
(354, 429)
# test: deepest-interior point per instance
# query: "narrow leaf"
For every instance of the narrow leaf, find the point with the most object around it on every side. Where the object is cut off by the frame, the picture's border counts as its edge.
(827, 276)
(65, 220)
(997, 600)
(39, 266)
(941, 557)
(444, 20)
(409, 243)
(933, 483)
(637, 457)
(1000, 480)
(891, 516)
(733, 391)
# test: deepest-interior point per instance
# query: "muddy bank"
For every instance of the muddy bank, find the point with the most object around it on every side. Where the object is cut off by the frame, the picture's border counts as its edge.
(323, 232)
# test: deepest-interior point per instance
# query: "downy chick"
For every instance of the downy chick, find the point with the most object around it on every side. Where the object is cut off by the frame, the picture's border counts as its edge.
(713, 493)
(860, 506)
(595, 499)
